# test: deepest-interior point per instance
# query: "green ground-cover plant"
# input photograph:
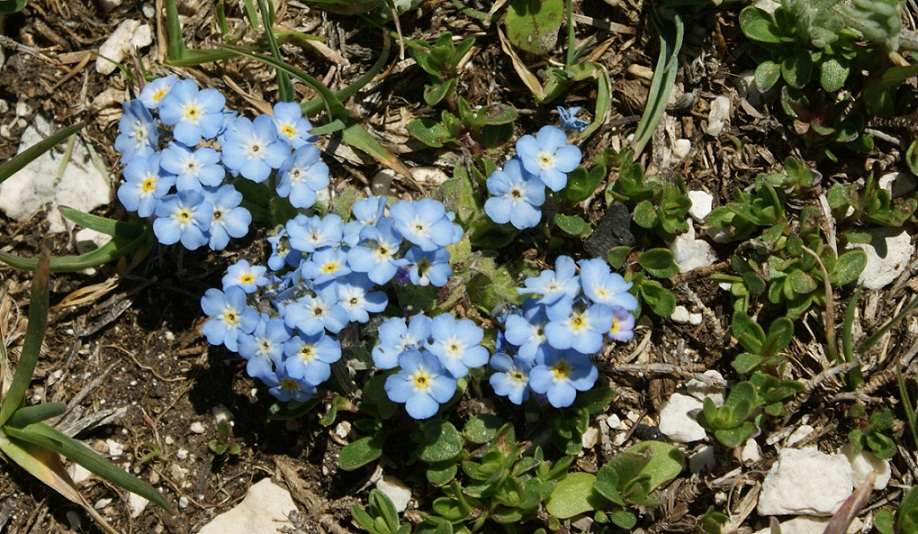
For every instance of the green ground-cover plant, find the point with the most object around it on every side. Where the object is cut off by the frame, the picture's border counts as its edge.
(28, 441)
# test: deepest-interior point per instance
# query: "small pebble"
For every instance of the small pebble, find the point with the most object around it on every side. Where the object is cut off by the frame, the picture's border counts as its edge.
(23, 109)
(680, 315)
(681, 148)
(222, 414)
(183, 502)
(102, 503)
(197, 427)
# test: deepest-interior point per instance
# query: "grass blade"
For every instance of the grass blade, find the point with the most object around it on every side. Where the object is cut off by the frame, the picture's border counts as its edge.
(50, 438)
(107, 253)
(35, 334)
(16, 163)
(664, 78)
(104, 225)
(35, 414)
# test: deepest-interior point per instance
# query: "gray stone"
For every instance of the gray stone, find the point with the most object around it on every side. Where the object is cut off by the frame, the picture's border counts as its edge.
(81, 186)
(805, 482)
(264, 509)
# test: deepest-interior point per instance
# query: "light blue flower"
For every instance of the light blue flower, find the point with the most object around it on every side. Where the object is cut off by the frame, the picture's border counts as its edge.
(137, 137)
(310, 234)
(622, 329)
(228, 218)
(569, 120)
(245, 275)
(517, 195)
(602, 286)
(154, 91)
(302, 175)
(511, 378)
(193, 113)
(457, 343)
(310, 314)
(326, 265)
(183, 217)
(252, 149)
(548, 156)
(309, 357)
(375, 254)
(356, 296)
(193, 168)
(286, 388)
(424, 223)
(527, 331)
(145, 184)
(292, 128)
(578, 327)
(427, 268)
(397, 336)
(553, 285)
(561, 374)
(263, 349)
(422, 384)
(282, 254)
(229, 315)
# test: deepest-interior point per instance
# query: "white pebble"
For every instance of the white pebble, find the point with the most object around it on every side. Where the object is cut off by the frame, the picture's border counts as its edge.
(681, 148)
(680, 315)
(183, 502)
(702, 203)
(197, 427)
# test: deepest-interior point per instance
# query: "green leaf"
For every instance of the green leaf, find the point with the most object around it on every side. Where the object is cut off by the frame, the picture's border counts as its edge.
(759, 25)
(645, 214)
(35, 334)
(767, 74)
(442, 473)
(832, 75)
(797, 69)
(34, 414)
(664, 462)
(734, 437)
(104, 225)
(848, 267)
(359, 453)
(429, 132)
(659, 262)
(748, 332)
(44, 436)
(911, 157)
(435, 93)
(883, 520)
(661, 301)
(532, 25)
(581, 184)
(574, 495)
(12, 6)
(624, 519)
(573, 225)
(107, 253)
(441, 441)
(482, 428)
(746, 362)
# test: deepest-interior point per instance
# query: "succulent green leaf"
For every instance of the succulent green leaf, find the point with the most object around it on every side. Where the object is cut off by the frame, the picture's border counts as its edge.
(759, 25)
(441, 441)
(849, 267)
(574, 495)
(767, 74)
(482, 428)
(833, 74)
(429, 132)
(34, 414)
(661, 301)
(359, 453)
(659, 262)
(573, 225)
(748, 332)
(532, 25)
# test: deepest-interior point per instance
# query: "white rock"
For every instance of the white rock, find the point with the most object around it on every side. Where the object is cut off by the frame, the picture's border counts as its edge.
(703, 460)
(429, 176)
(102, 503)
(197, 427)
(23, 109)
(681, 148)
(137, 504)
(589, 438)
(81, 186)
(148, 10)
(695, 319)
(143, 37)
(805, 482)
(810, 525)
(718, 116)
(701, 390)
(78, 473)
(751, 453)
(222, 414)
(675, 421)
(266, 508)
(888, 254)
(680, 315)
(799, 433)
(109, 5)
(691, 253)
(115, 449)
(116, 46)
(87, 240)
(396, 490)
(863, 463)
(702, 203)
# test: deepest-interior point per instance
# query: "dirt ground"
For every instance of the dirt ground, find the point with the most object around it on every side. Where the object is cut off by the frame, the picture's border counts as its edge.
(126, 353)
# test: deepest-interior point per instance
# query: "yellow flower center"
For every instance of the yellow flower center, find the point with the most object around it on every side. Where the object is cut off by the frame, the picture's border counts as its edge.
(148, 185)
(184, 216)
(578, 322)
(159, 94)
(231, 318)
(289, 384)
(307, 352)
(561, 370)
(247, 278)
(330, 267)
(546, 160)
(421, 380)
(192, 113)
(288, 130)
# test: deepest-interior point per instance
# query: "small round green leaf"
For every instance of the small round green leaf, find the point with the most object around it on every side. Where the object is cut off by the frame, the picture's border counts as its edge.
(574, 495)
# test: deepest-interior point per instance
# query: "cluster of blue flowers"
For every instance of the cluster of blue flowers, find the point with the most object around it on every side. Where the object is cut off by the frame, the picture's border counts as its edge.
(324, 274)
(518, 189)
(180, 163)
(547, 345)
